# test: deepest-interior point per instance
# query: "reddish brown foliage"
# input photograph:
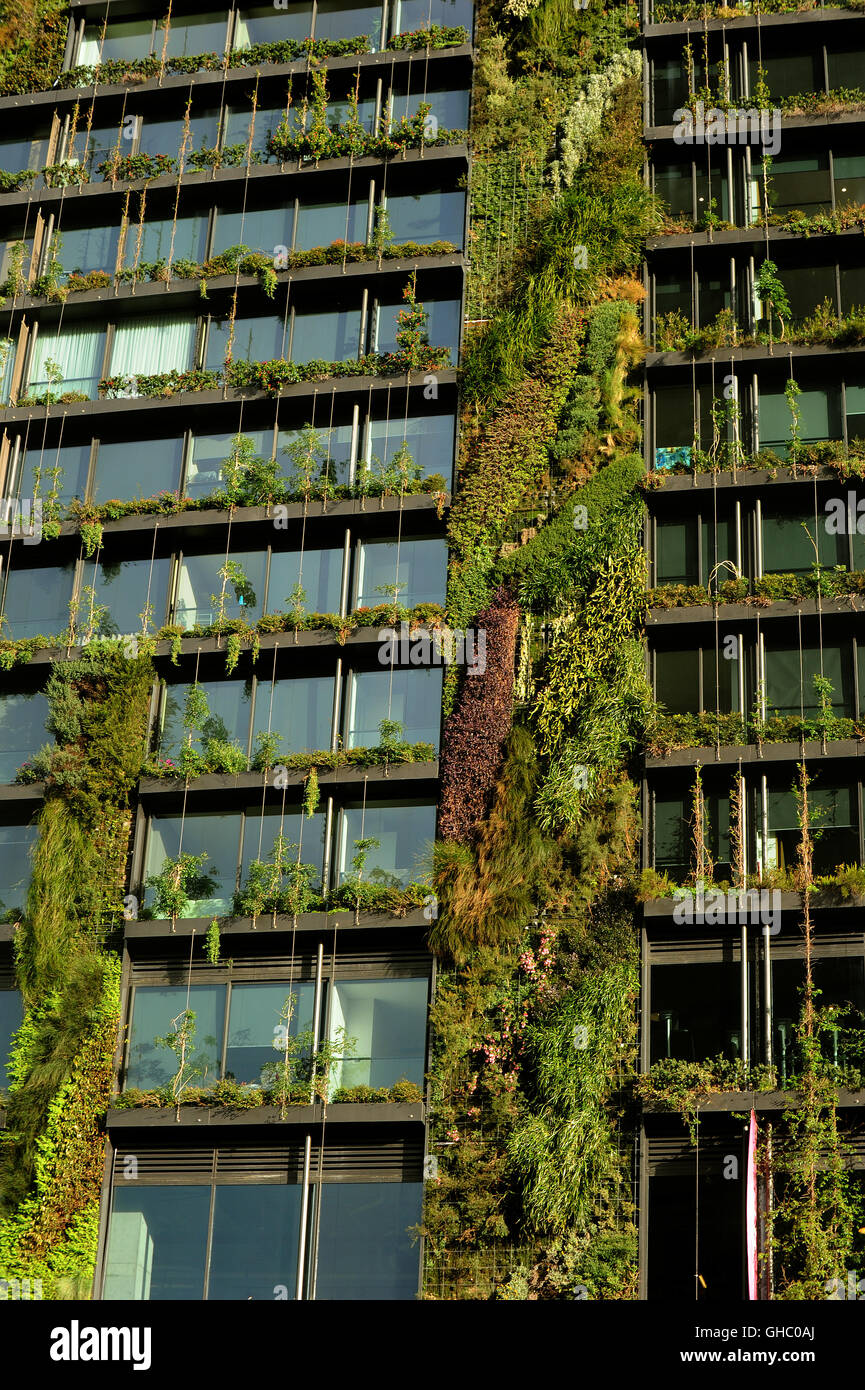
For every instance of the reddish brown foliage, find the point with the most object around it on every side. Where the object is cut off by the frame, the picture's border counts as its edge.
(475, 733)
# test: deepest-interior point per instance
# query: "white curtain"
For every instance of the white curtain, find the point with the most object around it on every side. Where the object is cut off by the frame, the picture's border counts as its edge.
(148, 345)
(77, 353)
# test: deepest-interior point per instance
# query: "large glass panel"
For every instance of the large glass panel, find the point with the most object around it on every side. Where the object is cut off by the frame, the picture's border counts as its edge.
(229, 705)
(209, 454)
(792, 542)
(341, 19)
(126, 39)
(435, 215)
(365, 1250)
(22, 730)
(75, 352)
(305, 835)
(669, 89)
(326, 337)
(37, 601)
(834, 827)
(673, 295)
(820, 418)
(849, 178)
(411, 572)
(238, 119)
(801, 184)
(255, 1242)
(411, 698)
(409, 15)
(137, 468)
(677, 681)
(841, 982)
(807, 287)
(264, 24)
(93, 147)
(404, 833)
(301, 710)
(442, 325)
(261, 338)
(216, 833)
(16, 845)
(387, 1020)
(73, 460)
(695, 1011)
(333, 454)
(789, 74)
(318, 573)
(262, 230)
(846, 66)
(720, 679)
(202, 595)
(166, 137)
(448, 106)
(430, 441)
(11, 1018)
(855, 396)
(81, 249)
(255, 1025)
(149, 345)
(674, 186)
(319, 224)
(677, 551)
(157, 1243)
(154, 1011)
(674, 424)
(147, 242)
(192, 34)
(124, 588)
(671, 825)
(852, 287)
(790, 673)
(26, 151)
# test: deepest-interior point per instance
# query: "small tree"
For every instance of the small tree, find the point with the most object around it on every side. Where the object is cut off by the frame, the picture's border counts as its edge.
(180, 881)
(181, 1041)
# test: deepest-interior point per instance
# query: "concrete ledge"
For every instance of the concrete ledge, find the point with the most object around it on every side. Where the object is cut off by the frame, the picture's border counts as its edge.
(217, 1117)
(236, 927)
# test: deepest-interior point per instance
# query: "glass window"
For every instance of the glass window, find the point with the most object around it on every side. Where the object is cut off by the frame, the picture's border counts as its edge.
(126, 39)
(677, 681)
(405, 834)
(157, 1243)
(261, 230)
(255, 1241)
(11, 1018)
(37, 601)
(237, 122)
(124, 587)
(820, 418)
(674, 186)
(28, 152)
(166, 137)
(834, 826)
(807, 287)
(16, 846)
(93, 147)
(22, 730)
(449, 107)
(145, 346)
(789, 74)
(442, 326)
(216, 833)
(416, 569)
(261, 338)
(365, 1249)
(317, 572)
(855, 412)
(790, 678)
(801, 184)
(424, 217)
(341, 19)
(190, 237)
(301, 710)
(841, 982)
(430, 441)
(304, 833)
(81, 249)
(410, 698)
(202, 594)
(326, 337)
(669, 90)
(387, 1020)
(677, 551)
(792, 542)
(672, 295)
(409, 15)
(320, 224)
(76, 353)
(332, 454)
(229, 704)
(849, 179)
(255, 1025)
(852, 287)
(191, 34)
(264, 24)
(137, 468)
(695, 1011)
(154, 1010)
(73, 461)
(846, 66)
(209, 453)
